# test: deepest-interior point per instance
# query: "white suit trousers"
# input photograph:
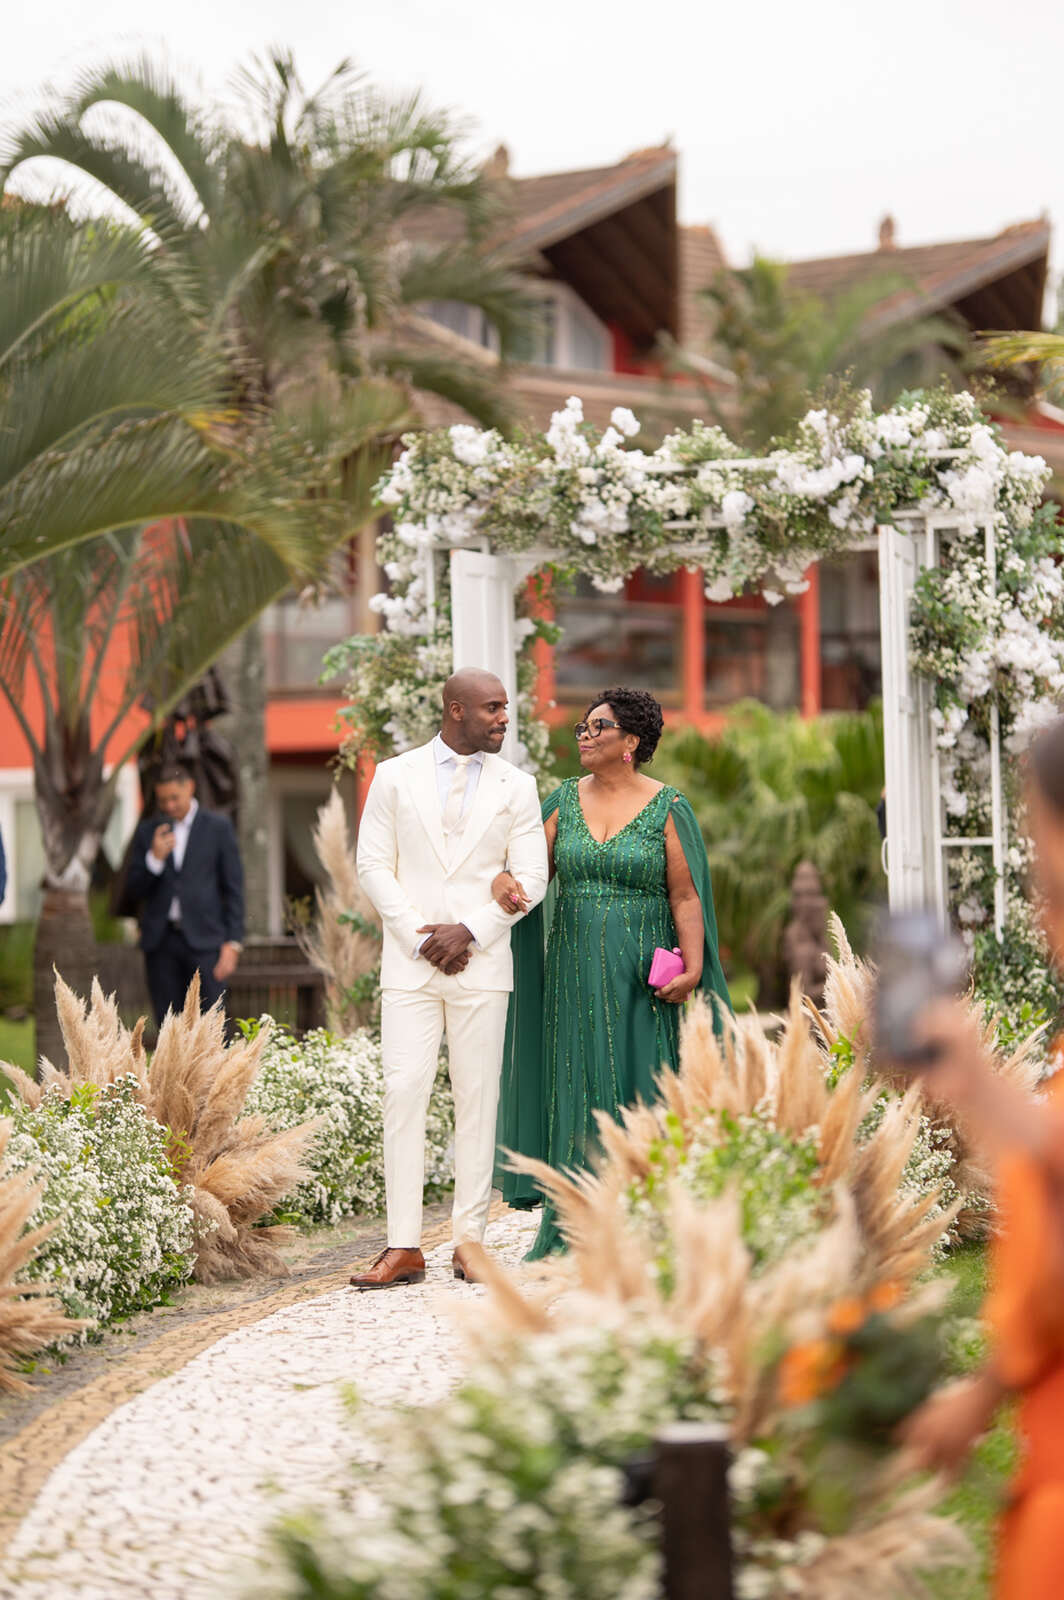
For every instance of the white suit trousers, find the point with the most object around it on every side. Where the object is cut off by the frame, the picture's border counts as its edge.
(413, 1022)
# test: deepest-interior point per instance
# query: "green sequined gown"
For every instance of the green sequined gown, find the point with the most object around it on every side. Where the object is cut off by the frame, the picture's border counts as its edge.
(604, 1034)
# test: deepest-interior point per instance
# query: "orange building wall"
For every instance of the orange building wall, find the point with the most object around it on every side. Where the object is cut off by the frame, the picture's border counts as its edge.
(14, 751)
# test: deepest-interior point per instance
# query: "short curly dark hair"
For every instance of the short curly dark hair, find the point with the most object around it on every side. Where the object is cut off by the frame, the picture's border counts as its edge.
(637, 712)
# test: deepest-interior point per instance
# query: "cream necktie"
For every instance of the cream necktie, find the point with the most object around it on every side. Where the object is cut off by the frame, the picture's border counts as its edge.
(452, 810)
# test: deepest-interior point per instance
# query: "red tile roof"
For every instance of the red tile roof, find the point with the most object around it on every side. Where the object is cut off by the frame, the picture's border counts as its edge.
(928, 277)
(552, 207)
(939, 274)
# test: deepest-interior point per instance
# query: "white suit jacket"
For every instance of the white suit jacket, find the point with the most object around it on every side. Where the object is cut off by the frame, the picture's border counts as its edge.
(406, 870)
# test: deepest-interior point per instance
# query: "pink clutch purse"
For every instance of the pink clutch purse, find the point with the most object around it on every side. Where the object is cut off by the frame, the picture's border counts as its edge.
(664, 966)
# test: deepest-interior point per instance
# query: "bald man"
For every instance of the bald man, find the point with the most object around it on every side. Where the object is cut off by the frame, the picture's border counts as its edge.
(439, 823)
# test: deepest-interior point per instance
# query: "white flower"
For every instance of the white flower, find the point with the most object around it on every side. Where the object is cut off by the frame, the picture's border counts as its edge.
(472, 446)
(624, 421)
(735, 507)
(720, 589)
(564, 436)
(893, 429)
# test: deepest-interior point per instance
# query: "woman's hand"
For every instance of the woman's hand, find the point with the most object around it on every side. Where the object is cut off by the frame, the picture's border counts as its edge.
(677, 989)
(941, 1433)
(508, 893)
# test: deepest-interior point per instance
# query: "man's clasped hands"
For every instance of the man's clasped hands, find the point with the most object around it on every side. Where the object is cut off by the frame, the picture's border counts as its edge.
(448, 946)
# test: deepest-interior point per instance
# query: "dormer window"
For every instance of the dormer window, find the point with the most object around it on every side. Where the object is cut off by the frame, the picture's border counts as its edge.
(566, 332)
(469, 322)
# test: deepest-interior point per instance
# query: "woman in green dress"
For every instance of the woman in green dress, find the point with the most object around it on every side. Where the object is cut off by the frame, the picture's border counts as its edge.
(585, 1031)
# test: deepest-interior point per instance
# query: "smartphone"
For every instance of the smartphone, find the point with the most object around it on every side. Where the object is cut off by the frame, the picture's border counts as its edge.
(919, 962)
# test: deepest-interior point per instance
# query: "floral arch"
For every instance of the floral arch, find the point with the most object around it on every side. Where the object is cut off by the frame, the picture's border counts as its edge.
(971, 610)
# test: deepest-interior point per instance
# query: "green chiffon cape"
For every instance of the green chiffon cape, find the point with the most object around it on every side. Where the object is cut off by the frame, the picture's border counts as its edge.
(524, 1090)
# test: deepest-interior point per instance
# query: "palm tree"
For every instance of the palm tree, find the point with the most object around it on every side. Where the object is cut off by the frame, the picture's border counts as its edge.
(141, 532)
(1041, 353)
(97, 378)
(310, 243)
(784, 345)
(303, 241)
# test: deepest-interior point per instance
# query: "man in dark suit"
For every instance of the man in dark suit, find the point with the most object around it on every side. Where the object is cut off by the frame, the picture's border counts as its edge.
(184, 869)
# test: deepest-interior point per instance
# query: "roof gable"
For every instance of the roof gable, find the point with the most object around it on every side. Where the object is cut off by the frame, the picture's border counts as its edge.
(994, 282)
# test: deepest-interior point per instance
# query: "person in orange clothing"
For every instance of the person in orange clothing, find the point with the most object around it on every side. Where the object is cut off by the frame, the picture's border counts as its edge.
(1025, 1306)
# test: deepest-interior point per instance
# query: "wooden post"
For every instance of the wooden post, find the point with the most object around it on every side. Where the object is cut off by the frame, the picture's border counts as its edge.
(691, 1482)
(541, 604)
(363, 778)
(809, 622)
(694, 643)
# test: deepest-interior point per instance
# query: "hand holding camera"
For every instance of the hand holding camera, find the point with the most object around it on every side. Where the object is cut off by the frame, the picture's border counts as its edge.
(920, 968)
(920, 1023)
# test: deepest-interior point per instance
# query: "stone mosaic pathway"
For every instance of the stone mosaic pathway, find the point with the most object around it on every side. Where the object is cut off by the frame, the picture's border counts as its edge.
(169, 1496)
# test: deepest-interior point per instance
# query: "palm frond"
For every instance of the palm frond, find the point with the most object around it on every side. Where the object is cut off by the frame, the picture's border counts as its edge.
(1018, 349)
(473, 279)
(472, 389)
(56, 135)
(49, 267)
(149, 89)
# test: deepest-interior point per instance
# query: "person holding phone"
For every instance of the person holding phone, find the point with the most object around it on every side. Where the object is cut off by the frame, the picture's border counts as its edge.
(185, 872)
(1025, 1306)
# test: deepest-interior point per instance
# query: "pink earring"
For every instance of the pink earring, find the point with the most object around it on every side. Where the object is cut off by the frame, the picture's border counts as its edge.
(628, 755)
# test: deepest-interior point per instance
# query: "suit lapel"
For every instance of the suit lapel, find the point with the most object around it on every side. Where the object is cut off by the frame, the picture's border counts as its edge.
(491, 794)
(426, 797)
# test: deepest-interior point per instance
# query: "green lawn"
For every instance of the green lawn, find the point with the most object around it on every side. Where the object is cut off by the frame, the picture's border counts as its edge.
(977, 1498)
(16, 1045)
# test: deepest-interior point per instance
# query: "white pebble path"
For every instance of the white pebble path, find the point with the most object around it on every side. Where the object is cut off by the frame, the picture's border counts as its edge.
(169, 1497)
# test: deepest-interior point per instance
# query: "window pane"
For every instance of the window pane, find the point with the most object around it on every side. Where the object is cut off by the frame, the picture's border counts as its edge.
(452, 314)
(588, 343)
(296, 638)
(608, 639)
(752, 655)
(537, 344)
(851, 660)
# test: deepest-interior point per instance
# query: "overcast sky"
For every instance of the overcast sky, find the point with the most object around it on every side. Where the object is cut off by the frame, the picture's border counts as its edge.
(799, 122)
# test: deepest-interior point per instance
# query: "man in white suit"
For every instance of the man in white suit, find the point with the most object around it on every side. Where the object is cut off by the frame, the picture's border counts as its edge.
(439, 823)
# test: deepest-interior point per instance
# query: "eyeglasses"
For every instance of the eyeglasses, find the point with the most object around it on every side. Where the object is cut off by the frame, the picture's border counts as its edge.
(592, 729)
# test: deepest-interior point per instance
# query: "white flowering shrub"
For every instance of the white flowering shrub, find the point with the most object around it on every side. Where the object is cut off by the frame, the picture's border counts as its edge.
(929, 1169)
(774, 1174)
(340, 1081)
(124, 1234)
(513, 1485)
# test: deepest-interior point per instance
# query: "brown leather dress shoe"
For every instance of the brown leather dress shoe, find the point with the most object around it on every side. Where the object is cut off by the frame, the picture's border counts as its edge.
(392, 1266)
(464, 1262)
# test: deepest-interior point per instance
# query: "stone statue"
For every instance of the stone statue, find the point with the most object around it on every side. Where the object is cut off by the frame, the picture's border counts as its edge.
(805, 938)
